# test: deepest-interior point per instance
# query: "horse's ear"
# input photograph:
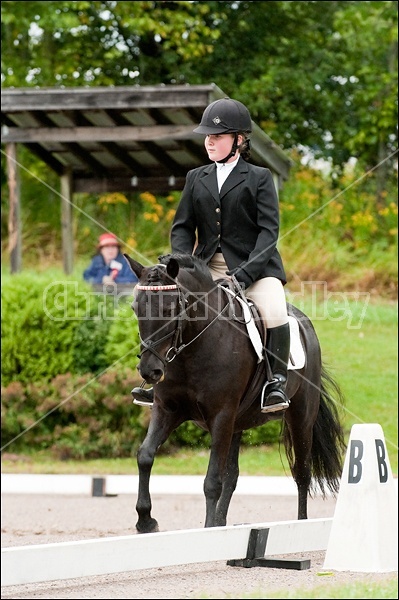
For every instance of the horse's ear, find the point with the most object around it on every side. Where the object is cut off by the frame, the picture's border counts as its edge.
(135, 266)
(172, 268)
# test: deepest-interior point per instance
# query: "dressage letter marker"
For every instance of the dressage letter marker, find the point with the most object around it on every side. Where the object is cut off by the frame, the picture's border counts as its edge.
(364, 533)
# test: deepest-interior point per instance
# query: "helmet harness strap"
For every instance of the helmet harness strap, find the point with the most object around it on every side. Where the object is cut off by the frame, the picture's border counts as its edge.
(232, 151)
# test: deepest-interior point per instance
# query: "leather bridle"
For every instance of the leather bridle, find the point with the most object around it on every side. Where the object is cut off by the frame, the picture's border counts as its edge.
(177, 345)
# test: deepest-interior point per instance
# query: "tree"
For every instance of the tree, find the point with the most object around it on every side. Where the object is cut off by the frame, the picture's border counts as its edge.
(320, 75)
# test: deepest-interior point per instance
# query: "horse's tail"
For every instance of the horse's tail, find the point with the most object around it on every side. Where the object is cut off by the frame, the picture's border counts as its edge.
(328, 445)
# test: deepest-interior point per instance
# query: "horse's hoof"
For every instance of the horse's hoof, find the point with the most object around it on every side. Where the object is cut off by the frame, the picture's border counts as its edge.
(150, 526)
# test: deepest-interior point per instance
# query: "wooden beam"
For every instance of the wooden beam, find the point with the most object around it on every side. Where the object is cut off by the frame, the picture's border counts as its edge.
(97, 134)
(104, 185)
(66, 222)
(46, 157)
(124, 157)
(14, 218)
(122, 97)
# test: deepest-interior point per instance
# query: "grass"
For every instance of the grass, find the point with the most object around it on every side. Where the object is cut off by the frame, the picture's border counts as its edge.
(358, 339)
(387, 588)
(360, 348)
(263, 460)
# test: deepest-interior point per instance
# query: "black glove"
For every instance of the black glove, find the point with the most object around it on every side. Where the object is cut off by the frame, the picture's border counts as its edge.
(241, 276)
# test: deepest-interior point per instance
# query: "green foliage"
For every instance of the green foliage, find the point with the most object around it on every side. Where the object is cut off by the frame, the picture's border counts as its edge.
(351, 240)
(317, 74)
(122, 344)
(69, 356)
(189, 434)
(74, 416)
(49, 327)
(265, 434)
(35, 345)
(348, 207)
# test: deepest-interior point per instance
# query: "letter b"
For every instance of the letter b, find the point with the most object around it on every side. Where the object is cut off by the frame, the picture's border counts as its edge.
(382, 465)
(355, 461)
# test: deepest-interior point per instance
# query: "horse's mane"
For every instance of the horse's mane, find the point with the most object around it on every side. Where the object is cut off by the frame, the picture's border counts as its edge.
(193, 265)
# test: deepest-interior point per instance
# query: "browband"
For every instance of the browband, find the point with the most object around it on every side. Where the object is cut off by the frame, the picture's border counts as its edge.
(156, 288)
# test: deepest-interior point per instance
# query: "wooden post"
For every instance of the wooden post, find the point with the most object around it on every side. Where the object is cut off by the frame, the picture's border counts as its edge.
(14, 218)
(66, 222)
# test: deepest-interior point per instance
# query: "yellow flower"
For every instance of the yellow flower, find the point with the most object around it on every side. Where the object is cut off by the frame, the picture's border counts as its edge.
(147, 197)
(115, 198)
(170, 215)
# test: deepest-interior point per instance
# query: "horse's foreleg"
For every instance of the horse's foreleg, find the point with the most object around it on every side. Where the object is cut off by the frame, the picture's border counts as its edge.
(229, 482)
(161, 425)
(221, 435)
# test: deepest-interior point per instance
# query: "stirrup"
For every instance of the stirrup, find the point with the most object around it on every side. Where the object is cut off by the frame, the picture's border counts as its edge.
(280, 402)
(142, 397)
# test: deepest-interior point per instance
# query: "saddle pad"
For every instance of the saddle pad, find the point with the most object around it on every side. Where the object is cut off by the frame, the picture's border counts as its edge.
(253, 331)
(297, 353)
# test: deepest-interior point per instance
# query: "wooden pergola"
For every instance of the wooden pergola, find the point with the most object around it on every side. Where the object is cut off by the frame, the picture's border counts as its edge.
(107, 139)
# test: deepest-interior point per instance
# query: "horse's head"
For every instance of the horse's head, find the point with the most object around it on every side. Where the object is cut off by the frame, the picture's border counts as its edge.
(158, 304)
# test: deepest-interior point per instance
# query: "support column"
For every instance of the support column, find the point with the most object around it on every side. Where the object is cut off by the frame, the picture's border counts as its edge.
(14, 216)
(66, 221)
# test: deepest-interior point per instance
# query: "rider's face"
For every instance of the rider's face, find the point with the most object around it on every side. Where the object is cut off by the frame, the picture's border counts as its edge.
(219, 145)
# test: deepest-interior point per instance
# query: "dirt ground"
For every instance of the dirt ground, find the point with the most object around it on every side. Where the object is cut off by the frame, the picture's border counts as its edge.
(36, 519)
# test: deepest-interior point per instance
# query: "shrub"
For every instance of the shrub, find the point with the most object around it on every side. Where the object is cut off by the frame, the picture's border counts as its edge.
(69, 359)
(50, 327)
(74, 416)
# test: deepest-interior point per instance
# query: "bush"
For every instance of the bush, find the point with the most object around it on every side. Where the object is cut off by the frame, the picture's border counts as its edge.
(74, 416)
(83, 416)
(69, 360)
(50, 327)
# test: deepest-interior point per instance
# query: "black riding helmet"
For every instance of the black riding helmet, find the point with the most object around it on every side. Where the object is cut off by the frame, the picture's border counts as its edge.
(225, 116)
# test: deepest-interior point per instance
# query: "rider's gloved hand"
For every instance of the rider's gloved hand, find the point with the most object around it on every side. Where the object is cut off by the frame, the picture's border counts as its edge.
(241, 276)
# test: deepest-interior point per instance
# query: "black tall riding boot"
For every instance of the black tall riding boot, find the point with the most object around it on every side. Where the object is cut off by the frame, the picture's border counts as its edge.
(143, 397)
(274, 397)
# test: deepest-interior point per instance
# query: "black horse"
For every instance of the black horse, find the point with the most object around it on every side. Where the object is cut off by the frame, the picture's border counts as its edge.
(196, 351)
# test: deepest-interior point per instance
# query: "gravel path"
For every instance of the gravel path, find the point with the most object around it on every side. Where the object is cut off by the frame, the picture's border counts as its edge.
(36, 519)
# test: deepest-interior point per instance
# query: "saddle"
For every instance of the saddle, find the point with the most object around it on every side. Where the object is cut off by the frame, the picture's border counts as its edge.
(256, 331)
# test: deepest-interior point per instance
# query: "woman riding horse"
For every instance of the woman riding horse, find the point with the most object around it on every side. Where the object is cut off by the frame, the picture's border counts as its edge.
(183, 315)
(229, 217)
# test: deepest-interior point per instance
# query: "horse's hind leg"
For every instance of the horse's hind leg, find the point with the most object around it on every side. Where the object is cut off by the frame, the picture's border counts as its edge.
(299, 419)
(229, 481)
(161, 425)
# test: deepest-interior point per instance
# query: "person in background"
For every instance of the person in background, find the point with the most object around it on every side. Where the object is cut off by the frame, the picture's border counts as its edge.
(109, 265)
(228, 216)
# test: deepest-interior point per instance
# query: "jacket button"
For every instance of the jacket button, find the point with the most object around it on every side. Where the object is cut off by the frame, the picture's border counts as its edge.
(218, 210)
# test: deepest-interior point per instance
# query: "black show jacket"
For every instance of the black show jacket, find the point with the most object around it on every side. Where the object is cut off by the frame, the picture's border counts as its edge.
(243, 220)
